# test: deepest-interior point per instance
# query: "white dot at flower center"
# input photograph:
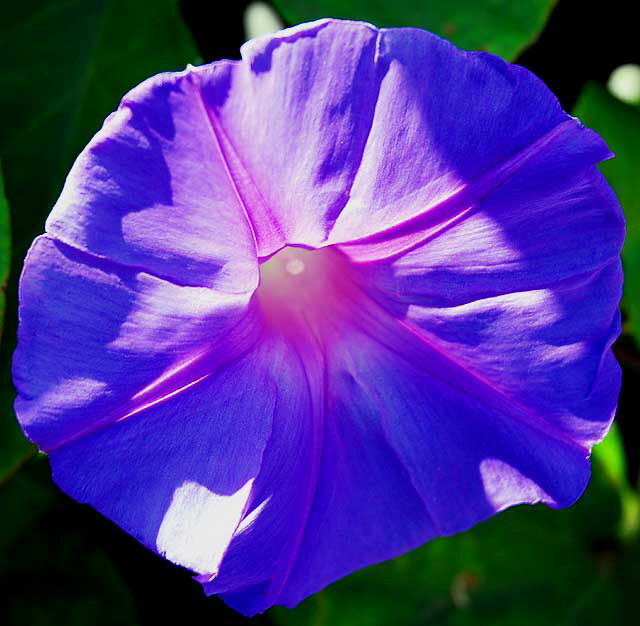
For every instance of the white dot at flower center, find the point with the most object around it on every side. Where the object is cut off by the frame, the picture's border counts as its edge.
(294, 266)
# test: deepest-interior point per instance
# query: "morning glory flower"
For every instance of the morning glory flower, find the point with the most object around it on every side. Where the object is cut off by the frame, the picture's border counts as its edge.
(301, 313)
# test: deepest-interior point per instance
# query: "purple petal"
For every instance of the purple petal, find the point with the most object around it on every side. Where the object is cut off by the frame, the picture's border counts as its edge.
(444, 120)
(454, 454)
(98, 340)
(383, 141)
(408, 446)
(178, 474)
(523, 290)
(553, 180)
(258, 563)
(151, 190)
(293, 130)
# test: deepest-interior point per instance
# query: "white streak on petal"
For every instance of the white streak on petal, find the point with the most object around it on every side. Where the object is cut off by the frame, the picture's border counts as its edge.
(72, 393)
(504, 485)
(252, 517)
(199, 525)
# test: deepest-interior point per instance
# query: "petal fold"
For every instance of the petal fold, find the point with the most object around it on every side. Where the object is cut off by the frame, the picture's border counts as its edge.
(294, 130)
(415, 448)
(410, 446)
(178, 474)
(152, 191)
(98, 340)
(444, 119)
(524, 289)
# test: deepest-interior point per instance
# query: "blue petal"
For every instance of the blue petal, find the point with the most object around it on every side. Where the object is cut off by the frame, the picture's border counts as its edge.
(98, 340)
(398, 446)
(178, 474)
(151, 190)
(524, 289)
(444, 119)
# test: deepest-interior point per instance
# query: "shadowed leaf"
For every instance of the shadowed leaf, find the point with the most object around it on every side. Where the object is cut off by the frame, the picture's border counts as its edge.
(5, 247)
(64, 65)
(52, 571)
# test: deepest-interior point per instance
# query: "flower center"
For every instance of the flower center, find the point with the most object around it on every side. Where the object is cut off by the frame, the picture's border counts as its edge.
(303, 287)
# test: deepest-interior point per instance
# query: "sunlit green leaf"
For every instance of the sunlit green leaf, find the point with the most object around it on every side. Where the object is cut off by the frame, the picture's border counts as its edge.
(503, 27)
(619, 124)
(611, 456)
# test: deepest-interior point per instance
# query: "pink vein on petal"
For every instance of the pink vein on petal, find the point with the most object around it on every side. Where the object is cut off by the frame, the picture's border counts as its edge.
(380, 313)
(172, 382)
(532, 419)
(318, 415)
(260, 218)
(400, 238)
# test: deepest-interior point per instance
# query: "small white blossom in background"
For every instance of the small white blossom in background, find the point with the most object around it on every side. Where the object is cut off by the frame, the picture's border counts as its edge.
(624, 83)
(260, 19)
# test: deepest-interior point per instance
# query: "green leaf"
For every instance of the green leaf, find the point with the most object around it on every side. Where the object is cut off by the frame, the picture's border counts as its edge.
(525, 566)
(23, 501)
(610, 454)
(52, 571)
(5, 248)
(503, 27)
(15, 449)
(64, 66)
(619, 125)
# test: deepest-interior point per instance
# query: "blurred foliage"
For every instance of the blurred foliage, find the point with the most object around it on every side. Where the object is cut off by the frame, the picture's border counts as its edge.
(64, 66)
(526, 566)
(610, 455)
(5, 247)
(503, 27)
(619, 124)
(52, 572)
(14, 448)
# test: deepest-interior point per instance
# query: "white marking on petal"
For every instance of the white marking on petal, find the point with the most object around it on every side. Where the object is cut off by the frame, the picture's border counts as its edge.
(247, 522)
(73, 393)
(504, 485)
(294, 266)
(199, 525)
